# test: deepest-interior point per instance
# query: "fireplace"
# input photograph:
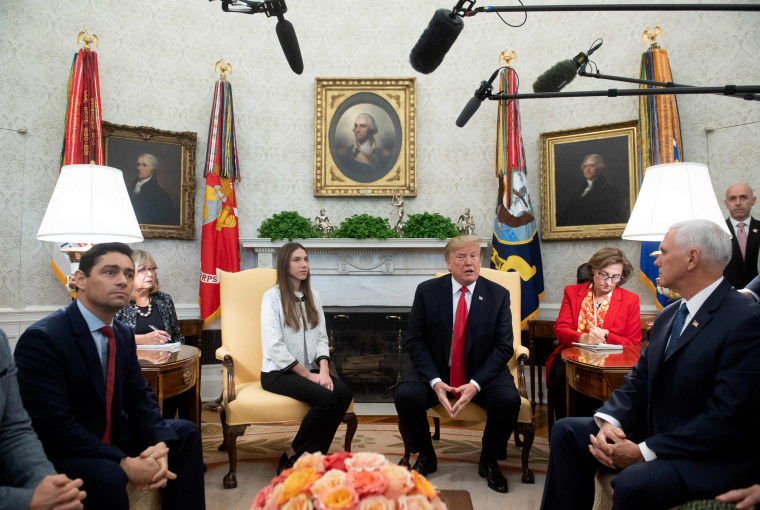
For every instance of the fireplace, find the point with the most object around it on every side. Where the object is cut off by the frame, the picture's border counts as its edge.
(367, 348)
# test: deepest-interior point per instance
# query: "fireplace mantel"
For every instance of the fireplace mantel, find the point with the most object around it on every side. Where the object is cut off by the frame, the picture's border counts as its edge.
(361, 272)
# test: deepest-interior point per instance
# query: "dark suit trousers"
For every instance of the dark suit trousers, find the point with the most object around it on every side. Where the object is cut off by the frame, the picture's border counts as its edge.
(501, 402)
(328, 408)
(105, 482)
(660, 483)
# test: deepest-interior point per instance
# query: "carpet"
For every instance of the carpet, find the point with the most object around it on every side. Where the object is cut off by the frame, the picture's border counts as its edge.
(457, 444)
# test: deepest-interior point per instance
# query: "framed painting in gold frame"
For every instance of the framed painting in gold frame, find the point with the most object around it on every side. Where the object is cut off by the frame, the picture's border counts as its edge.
(589, 181)
(365, 137)
(163, 162)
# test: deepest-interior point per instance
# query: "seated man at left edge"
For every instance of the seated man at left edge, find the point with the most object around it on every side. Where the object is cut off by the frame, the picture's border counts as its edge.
(81, 384)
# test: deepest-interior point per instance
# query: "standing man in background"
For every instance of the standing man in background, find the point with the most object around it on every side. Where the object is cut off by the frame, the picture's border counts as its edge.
(746, 231)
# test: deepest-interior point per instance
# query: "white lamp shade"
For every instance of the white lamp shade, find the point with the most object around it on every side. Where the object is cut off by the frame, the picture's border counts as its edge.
(671, 193)
(90, 204)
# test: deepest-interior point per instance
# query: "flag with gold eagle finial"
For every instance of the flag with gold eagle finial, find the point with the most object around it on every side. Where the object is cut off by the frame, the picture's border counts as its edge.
(83, 135)
(515, 238)
(660, 142)
(220, 234)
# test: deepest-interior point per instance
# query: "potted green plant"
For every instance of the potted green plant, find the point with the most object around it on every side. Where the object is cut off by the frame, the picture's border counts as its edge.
(287, 225)
(427, 225)
(365, 226)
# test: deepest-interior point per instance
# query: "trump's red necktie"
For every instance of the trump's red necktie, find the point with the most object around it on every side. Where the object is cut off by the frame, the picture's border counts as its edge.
(457, 376)
(110, 378)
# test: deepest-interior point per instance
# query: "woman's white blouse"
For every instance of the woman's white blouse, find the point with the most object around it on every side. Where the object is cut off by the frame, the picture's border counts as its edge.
(282, 346)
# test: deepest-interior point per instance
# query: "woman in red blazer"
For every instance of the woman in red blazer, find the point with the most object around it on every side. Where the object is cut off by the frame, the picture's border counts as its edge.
(592, 313)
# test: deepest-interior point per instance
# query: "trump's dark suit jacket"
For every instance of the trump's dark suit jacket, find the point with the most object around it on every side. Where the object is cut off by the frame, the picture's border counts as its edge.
(699, 404)
(488, 343)
(740, 271)
(64, 392)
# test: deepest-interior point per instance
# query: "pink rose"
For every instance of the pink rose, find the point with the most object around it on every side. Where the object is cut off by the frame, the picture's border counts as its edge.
(274, 496)
(414, 502)
(330, 480)
(367, 483)
(376, 503)
(366, 460)
(337, 461)
(300, 502)
(310, 460)
(261, 497)
(399, 481)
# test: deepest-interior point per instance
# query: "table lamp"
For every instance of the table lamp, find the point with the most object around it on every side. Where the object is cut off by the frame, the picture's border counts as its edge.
(671, 193)
(90, 205)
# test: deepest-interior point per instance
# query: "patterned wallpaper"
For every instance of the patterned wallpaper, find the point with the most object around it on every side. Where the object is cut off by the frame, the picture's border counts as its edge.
(156, 69)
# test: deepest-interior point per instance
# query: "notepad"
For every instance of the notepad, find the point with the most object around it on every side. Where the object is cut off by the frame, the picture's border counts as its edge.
(171, 347)
(600, 347)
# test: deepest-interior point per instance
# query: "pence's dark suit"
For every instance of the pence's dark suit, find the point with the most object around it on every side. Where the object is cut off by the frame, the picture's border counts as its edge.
(740, 271)
(488, 347)
(64, 391)
(697, 410)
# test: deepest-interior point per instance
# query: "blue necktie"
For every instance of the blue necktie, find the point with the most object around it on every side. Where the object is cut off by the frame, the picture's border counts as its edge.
(675, 332)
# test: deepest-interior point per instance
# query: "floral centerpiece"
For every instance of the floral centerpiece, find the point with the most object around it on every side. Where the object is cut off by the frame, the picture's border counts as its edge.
(346, 481)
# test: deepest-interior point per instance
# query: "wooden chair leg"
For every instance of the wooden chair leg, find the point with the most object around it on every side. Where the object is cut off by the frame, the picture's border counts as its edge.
(404, 461)
(230, 434)
(437, 425)
(527, 432)
(351, 423)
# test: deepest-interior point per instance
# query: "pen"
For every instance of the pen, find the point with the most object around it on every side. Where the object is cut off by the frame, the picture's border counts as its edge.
(154, 328)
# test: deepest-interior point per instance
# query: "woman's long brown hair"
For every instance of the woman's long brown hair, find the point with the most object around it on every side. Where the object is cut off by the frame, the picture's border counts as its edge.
(290, 305)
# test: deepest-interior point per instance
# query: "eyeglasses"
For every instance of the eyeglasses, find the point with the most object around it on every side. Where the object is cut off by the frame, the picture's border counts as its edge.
(614, 277)
(146, 270)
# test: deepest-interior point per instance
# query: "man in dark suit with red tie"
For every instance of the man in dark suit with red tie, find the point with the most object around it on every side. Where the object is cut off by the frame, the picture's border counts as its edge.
(683, 425)
(75, 366)
(746, 231)
(459, 340)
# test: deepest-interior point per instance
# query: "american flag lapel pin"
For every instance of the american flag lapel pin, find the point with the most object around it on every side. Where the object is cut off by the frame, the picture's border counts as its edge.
(695, 324)
(480, 298)
(754, 231)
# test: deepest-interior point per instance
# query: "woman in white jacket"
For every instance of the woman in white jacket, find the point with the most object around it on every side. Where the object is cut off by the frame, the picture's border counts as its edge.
(296, 354)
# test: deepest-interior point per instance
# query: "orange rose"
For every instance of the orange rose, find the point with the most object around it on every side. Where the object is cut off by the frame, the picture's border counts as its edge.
(330, 480)
(298, 481)
(367, 483)
(424, 487)
(399, 481)
(376, 503)
(341, 498)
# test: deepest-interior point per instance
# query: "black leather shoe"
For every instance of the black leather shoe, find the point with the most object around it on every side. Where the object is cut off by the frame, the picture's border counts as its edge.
(490, 471)
(426, 464)
(285, 463)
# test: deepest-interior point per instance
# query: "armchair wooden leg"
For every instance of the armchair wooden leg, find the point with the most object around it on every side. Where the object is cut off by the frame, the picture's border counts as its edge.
(351, 423)
(230, 438)
(526, 430)
(437, 425)
(407, 450)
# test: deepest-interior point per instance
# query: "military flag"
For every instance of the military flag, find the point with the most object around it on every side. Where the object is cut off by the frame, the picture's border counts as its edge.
(515, 239)
(220, 233)
(660, 141)
(83, 136)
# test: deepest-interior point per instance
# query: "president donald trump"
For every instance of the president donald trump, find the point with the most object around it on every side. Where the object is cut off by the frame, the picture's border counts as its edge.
(459, 340)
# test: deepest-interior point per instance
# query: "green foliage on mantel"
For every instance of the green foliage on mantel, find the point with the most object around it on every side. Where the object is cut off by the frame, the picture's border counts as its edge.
(365, 226)
(432, 226)
(287, 225)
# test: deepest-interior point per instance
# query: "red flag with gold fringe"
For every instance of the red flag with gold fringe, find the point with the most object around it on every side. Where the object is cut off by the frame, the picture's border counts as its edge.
(220, 233)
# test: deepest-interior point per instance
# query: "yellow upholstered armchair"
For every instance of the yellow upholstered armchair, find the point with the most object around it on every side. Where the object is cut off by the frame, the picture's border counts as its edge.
(524, 427)
(244, 402)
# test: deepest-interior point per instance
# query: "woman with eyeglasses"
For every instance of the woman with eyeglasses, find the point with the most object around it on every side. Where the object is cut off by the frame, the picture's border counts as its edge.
(594, 312)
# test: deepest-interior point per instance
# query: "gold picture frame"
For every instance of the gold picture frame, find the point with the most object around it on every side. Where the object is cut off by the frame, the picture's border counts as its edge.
(165, 204)
(570, 208)
(384, 163)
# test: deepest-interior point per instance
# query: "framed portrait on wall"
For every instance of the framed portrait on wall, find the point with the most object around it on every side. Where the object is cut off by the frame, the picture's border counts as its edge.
(589, 181)
(159, 171)
(365, 137)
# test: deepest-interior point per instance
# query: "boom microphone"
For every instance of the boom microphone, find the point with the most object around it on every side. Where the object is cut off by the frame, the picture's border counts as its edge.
(289, 43)
(435, 41)
(474, 103)
(562, 73)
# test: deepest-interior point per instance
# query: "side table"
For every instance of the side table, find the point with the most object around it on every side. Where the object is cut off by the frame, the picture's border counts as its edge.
(179, 373)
